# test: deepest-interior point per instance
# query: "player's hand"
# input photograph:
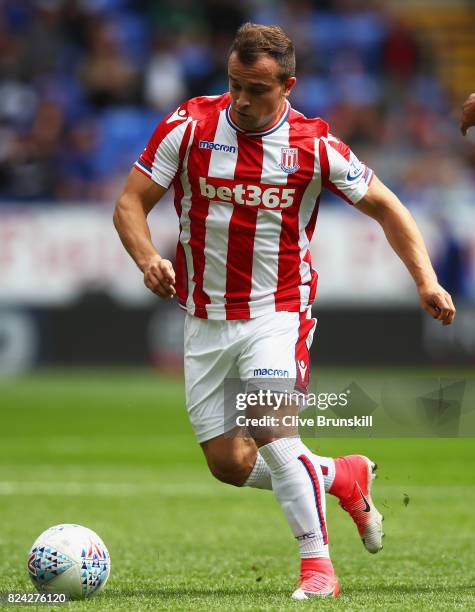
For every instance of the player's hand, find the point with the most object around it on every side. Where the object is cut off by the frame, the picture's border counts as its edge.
(468, 114)
(435, 300)
(159, 277)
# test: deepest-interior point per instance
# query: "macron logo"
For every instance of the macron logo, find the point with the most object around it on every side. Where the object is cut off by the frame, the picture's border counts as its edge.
(179, 115)
(216, 146)
(271, 372)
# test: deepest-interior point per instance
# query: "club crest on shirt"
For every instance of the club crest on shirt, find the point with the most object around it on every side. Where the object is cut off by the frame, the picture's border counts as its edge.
(289, 159)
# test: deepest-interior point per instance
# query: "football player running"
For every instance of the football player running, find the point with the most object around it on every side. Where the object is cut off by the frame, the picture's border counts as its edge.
(247, 171)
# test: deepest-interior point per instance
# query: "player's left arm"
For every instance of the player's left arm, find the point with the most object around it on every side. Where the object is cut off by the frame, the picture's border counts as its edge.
(404, 236)
(468, 114)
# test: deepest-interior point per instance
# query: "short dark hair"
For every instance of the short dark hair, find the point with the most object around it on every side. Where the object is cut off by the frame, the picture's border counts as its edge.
(253, 39)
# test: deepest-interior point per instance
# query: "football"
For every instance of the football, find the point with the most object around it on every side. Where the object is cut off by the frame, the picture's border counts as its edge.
(69, 559)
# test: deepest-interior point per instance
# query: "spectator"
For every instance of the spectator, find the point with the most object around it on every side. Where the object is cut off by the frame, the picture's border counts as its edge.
(109, 78)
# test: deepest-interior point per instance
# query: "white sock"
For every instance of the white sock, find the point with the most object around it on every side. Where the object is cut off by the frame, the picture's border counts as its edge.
(327, 465)
(260, 477)
(297, 483)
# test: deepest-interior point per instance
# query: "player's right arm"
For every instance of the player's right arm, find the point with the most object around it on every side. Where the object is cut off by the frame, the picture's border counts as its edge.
(137, 199)
(148, 181)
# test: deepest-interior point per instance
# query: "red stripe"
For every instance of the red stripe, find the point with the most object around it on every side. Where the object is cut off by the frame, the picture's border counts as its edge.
(198, 165)
(309, 230)
(163, 129)
(371, 177)
(313, 282)
(287, 296)
(342, 148)
(302, 354)
(316, 490)
(324, 163)
(180, 263)
(324, 469)
(241, 232)
(313, 287)
(137, 167)
(325, 169)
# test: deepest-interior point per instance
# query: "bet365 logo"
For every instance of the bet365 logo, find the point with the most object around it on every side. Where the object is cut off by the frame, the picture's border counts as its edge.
(274, 198)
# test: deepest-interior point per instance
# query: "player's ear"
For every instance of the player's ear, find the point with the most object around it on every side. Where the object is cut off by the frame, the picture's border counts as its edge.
(289, 84)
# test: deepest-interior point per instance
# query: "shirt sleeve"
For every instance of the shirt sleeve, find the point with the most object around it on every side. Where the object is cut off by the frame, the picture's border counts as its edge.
(161, 158)
(345, 175)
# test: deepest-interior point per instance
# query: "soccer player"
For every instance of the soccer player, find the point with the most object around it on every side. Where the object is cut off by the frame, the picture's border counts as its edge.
(468, 114)
(247, 171)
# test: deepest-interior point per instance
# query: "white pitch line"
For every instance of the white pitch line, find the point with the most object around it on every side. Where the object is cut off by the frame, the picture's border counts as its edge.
(112, 489)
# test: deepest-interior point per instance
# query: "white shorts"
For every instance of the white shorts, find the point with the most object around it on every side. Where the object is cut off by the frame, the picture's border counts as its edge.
(273, 346)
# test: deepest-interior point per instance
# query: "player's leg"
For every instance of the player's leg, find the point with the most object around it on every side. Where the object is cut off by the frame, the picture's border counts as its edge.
(209, 359)
(277, 347)
(234, 460)
(237, 461)
(211, 349)
(348, 478)
(297, 483)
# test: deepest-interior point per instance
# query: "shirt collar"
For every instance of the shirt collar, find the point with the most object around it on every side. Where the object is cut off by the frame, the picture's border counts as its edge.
(280, 121)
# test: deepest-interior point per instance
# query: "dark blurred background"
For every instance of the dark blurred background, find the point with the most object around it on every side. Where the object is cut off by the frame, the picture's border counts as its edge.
(83, 84)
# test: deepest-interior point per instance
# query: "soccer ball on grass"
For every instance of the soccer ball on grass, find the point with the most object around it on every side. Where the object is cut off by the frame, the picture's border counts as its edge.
(69, 559)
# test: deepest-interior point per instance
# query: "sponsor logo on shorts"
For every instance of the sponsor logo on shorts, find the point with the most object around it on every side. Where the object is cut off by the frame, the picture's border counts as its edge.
(271, 372)
(217, 146)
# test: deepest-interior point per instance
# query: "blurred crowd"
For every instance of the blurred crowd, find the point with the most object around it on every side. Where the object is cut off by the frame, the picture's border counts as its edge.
(84, 82)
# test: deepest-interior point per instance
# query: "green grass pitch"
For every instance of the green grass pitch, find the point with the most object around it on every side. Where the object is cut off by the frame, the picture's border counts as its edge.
(114, 451)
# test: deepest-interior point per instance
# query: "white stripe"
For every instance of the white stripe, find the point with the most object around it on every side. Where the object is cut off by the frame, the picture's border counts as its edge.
(307, 206)
(265, 261)
(141, 167)
(166, 159)
(272, 146)
(294, 344)
(222, 164)
(339, 167)
(185, 235)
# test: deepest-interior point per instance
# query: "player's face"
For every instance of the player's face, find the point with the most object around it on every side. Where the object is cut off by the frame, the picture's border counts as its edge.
(257, 94)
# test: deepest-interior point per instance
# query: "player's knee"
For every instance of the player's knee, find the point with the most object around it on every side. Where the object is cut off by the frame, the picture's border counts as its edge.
(230, 460)
(230, 472)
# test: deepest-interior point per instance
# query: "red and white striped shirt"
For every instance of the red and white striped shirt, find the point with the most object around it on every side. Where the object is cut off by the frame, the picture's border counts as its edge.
(247, 204)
